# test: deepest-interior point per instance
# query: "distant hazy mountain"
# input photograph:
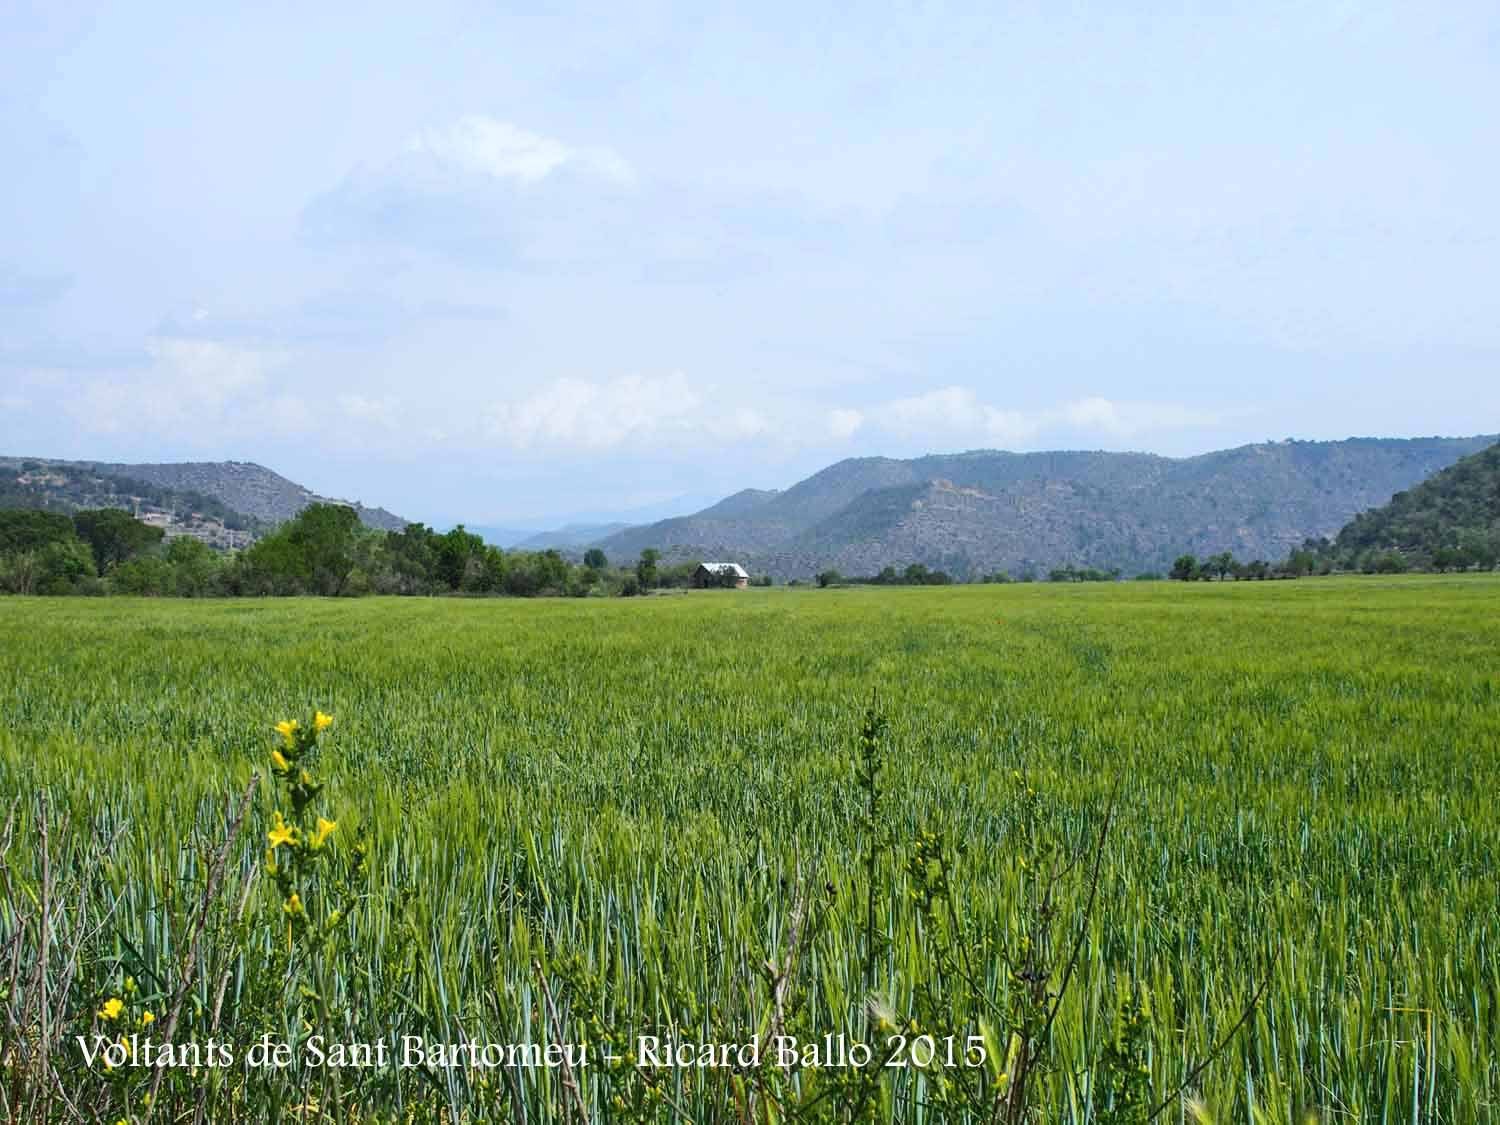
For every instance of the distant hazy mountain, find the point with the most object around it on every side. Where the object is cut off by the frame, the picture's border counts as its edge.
(506, 537)
(972, 513)
(248, 490)
(1456, 510)
(571, 535)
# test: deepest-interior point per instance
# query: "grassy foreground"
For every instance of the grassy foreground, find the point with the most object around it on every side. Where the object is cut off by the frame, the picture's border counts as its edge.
(587, 821)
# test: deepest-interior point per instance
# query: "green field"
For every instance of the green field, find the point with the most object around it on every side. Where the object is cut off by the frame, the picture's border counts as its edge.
(647, 797)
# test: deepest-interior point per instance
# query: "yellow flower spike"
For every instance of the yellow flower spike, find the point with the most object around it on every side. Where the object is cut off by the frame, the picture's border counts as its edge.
(325, 830)
(278, 759)
(322, 721)
(288, 729)
(112, 1008)
(293, 905)
(282, 833)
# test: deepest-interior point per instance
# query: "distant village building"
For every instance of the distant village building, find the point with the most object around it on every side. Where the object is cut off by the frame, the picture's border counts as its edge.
(721, 574)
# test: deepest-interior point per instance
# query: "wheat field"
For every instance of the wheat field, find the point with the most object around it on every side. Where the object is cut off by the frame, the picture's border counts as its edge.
(1267, 811)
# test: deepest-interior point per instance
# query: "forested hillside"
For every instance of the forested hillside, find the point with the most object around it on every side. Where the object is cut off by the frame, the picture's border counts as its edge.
(974, 513)
(1448, 522)
(202, 498)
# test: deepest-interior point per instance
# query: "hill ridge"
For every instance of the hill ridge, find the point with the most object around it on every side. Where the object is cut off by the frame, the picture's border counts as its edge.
(251, 494)
(1004, 510)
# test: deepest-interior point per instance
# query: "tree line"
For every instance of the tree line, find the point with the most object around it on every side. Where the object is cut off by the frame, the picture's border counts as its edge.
(1324, 556)
(324, 550)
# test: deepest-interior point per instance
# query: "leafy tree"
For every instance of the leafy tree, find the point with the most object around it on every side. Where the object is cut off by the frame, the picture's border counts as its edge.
(595, 559)
(114, 535)
(194, 567)
(1184, 569)
(26, 529)
(1221, 564)
(828, 578)
(64, 566)
(452, 555)
(410, 559)
(148, 576)
(1301, 562)
(324, 536)
(645, 569)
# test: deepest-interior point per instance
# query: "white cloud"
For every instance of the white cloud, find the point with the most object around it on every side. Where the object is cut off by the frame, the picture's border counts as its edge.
(942, 418)
(189, 386)
(952, 410)
(382, 412)
(488, 147)
(634, 409)
(575, 412)
(208, 372)
(195, 392)
(1124, 419)
(739, 424)
(843, 423)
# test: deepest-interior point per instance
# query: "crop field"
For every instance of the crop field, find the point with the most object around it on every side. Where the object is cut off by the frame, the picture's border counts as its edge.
(1074, 839)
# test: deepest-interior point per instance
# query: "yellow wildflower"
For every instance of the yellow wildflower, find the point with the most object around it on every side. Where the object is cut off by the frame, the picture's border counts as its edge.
(288, 729)
(147, 1019)
(282, 833)
(278, 759)
(293, 905)
(322, 721)
(325, 830)
(112, 1008)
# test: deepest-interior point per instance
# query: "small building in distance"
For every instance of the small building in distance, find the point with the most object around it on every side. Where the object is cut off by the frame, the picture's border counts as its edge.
(720, 574)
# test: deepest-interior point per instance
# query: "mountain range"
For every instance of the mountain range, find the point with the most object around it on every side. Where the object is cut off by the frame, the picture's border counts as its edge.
(983, 511)
(238, 494)
(970, 513)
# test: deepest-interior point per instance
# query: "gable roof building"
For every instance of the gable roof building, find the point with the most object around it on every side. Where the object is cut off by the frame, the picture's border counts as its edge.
(721, 574)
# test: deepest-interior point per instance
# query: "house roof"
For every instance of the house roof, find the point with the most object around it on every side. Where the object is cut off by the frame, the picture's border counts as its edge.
(726, 568)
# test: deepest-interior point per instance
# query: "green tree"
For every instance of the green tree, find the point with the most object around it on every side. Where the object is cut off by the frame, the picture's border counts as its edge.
(27, 529)
(595, 559)
(64, 566)
(148, 576)
(114, 535)
(1302, 562)
(645, 569)
(453, 555)
(1185, 568)
(409, 559)
(194, 567)
(323, 534)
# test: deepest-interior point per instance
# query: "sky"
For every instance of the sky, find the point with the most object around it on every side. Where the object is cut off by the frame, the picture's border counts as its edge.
(523, 263)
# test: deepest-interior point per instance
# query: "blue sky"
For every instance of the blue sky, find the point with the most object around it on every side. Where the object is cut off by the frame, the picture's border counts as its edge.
(508, 265)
